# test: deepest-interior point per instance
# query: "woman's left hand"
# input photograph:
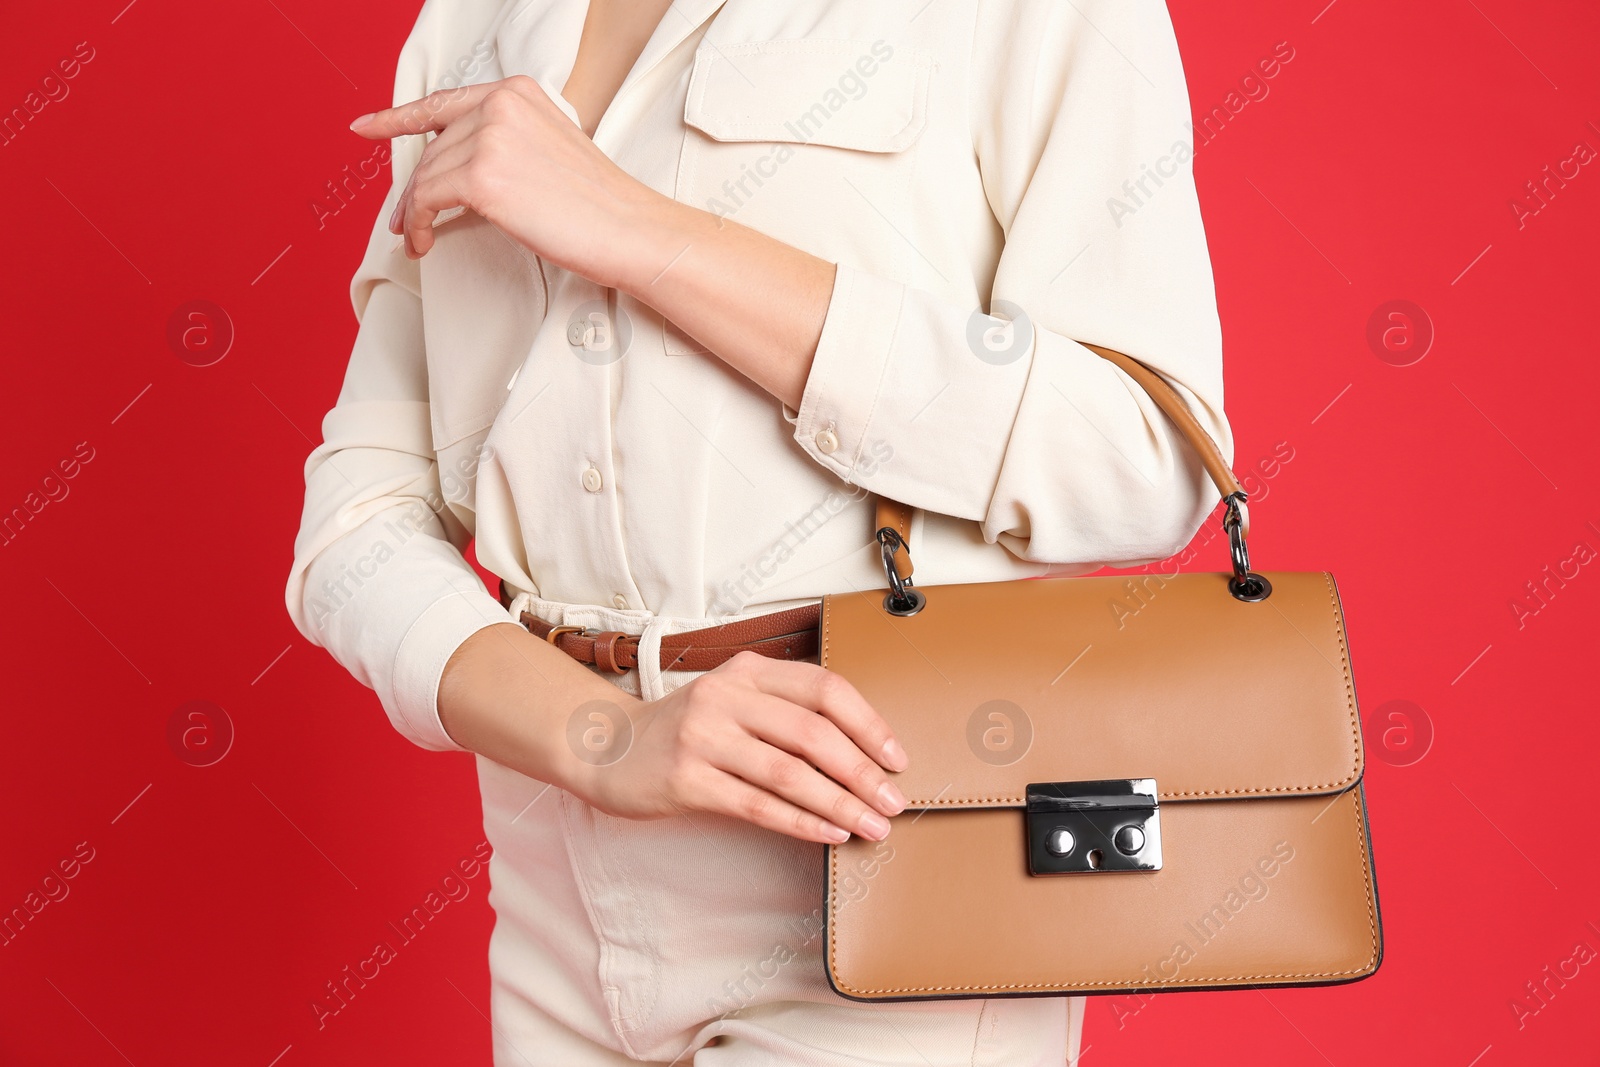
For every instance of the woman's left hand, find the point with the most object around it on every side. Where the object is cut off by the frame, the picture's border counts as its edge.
(505, 150)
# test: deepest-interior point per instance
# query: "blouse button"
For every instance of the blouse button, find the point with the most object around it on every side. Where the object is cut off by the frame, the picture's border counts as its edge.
(592, 480)
(827, 442)
(620, 601)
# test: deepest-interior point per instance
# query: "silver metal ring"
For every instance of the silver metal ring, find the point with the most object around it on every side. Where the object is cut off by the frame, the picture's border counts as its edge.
(901, 600)
(1245, 585)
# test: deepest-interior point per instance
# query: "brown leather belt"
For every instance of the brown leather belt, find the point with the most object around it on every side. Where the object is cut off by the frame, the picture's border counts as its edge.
(787, 634)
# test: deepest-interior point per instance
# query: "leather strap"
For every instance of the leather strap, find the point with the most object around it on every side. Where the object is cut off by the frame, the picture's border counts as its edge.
(892, 513)
(788, 634)
(1168, 400)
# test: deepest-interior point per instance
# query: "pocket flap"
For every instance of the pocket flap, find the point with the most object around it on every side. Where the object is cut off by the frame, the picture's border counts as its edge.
(866, 95)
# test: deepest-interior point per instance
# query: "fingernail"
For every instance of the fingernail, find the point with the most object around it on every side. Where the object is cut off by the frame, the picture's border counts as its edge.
(394, 216)
(837, 834)
(874, 826)
(363, 120)
(894, 755)
(891, 798)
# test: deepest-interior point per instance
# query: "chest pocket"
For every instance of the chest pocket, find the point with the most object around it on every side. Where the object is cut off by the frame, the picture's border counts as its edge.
(806, 140)
(871, 96)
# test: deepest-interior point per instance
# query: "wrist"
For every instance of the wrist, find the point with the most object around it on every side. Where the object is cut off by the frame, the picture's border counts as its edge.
(656, 230)
(597, 736)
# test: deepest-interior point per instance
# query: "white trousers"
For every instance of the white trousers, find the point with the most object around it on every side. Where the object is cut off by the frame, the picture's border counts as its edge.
(695, 939)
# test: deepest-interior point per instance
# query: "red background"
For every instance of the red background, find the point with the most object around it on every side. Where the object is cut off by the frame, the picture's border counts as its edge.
(220, 899)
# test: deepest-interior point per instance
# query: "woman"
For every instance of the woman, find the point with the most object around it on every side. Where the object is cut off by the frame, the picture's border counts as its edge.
(665, 295)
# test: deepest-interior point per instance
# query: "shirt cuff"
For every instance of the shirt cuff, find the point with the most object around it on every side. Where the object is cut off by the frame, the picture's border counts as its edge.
(420, 659)
(847, 372)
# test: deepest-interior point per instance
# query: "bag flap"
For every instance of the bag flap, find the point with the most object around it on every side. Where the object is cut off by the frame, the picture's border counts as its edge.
(864, 95)
(995, 685)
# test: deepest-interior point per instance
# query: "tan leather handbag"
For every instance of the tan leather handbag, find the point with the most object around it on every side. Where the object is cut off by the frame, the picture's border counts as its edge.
(1117, 784)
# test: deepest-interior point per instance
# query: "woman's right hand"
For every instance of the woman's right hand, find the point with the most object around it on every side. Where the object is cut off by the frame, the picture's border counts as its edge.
(787, 745)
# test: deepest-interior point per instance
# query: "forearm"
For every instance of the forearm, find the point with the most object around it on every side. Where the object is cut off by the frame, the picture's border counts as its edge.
(757, 303)
(510, 696)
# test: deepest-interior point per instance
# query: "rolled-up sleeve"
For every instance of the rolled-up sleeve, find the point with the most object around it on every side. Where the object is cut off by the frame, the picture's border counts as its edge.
(1000, 415)
(378, 577)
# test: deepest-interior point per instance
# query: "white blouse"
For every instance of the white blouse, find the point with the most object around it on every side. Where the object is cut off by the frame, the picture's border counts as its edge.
(996, 181)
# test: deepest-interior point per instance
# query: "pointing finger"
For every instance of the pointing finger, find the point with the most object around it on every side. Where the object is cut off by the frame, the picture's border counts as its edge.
(429, 114)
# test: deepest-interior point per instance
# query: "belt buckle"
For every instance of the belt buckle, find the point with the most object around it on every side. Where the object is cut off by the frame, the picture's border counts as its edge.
(557, 631)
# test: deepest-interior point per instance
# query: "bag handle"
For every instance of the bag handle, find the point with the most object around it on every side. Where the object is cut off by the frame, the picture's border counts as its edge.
(892, 519)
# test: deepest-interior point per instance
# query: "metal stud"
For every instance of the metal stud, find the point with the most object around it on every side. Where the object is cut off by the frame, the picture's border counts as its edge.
(1060, 841)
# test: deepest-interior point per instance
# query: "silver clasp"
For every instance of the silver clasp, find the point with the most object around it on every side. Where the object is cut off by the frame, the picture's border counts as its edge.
(1094, 826)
